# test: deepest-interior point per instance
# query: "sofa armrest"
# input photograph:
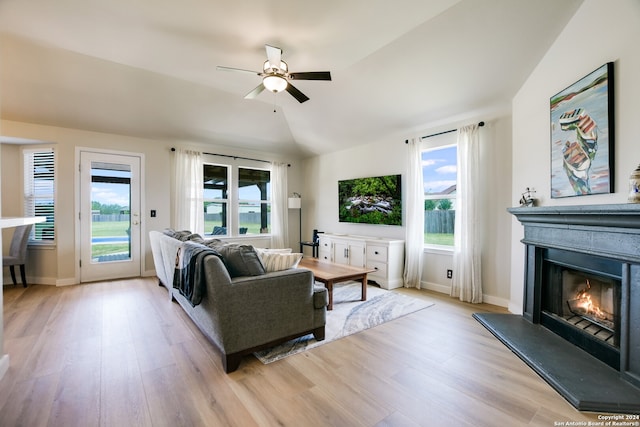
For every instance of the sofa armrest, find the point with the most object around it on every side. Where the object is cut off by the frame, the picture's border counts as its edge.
(320, 296)
(164, 250)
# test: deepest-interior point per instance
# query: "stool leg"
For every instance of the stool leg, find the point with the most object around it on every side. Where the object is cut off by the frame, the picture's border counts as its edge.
(23, 276)
(13, 274)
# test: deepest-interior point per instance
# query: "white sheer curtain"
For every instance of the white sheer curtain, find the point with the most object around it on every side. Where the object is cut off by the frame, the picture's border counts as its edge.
(188, 209)
(467, 283)
(279, 207)
(414, 239)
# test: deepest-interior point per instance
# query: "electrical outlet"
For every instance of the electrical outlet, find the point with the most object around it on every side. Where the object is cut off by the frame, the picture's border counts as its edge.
(449, 274)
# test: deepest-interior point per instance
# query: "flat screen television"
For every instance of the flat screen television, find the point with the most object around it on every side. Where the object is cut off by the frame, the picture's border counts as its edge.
(372, 200)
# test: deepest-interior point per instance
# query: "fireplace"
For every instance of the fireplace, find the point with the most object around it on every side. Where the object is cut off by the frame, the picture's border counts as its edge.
(580, 301)
(580, 327)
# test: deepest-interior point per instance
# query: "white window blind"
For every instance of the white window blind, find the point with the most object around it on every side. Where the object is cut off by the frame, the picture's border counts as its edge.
(39, 191)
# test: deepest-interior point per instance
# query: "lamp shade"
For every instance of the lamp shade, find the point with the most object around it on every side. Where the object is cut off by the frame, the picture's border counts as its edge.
(295, 203)
(274, 83)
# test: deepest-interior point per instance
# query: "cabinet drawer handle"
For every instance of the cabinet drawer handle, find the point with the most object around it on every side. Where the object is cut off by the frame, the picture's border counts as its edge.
(376, 252)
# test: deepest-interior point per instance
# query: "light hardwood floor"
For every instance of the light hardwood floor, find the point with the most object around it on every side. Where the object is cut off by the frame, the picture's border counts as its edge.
(122, 354)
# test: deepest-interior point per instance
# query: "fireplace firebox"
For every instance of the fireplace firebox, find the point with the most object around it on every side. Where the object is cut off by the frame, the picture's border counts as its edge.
(580, 326)
(580, 301)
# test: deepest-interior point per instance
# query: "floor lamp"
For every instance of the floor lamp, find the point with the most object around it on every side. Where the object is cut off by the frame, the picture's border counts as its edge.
(295, 202)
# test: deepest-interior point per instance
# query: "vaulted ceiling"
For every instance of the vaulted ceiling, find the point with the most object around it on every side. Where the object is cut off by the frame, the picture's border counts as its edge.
(148, 67)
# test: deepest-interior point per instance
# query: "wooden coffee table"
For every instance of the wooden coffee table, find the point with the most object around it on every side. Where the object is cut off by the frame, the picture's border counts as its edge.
(330, 273)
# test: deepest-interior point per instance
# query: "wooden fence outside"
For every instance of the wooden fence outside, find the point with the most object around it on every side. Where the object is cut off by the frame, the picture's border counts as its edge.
(441, 222)
(110, 217)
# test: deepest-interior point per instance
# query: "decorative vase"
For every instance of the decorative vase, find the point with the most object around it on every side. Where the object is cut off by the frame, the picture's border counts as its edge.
(634, 186)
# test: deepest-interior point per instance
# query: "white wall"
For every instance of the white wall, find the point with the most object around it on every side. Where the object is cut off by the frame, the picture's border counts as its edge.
(389, 156)
(58, 265)
(599, 32)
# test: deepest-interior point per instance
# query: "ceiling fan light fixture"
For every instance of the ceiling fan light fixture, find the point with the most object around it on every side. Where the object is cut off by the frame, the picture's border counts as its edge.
(267, 67)
(275, 76)
(275, 83)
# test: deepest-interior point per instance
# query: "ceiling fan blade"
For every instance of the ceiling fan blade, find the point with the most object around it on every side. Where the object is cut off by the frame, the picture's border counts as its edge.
(274, 55)
(255, 92)
(221, 68)
(312, 75)
(301, 97)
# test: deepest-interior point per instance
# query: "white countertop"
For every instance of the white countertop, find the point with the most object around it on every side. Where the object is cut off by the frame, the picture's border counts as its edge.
(7, 222)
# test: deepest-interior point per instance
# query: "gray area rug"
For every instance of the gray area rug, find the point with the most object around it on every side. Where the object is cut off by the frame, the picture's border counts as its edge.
(350, 315)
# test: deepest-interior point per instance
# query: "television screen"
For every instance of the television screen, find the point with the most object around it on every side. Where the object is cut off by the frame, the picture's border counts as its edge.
(373, 200)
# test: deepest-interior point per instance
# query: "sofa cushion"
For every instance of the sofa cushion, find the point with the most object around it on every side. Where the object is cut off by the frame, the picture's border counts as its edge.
(240, 260)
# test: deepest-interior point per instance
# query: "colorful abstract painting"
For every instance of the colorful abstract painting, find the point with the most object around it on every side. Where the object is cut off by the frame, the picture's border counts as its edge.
(582, 136)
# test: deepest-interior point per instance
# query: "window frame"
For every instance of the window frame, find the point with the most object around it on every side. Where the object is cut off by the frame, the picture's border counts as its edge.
(30, 198)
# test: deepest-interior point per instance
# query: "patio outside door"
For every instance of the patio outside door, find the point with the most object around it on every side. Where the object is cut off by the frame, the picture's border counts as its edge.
(109, 216)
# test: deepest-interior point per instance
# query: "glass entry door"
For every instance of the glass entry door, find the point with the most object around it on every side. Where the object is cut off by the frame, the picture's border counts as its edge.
(110, 216)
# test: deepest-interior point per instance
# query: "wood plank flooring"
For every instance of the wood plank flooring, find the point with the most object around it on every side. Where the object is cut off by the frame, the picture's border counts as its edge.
(122, 354)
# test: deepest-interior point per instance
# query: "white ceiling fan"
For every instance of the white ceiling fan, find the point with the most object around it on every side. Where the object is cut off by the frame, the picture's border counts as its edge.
(276, 76)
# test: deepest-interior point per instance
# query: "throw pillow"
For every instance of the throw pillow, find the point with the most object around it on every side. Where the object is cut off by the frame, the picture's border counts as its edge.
(262, 251)
(277, 261)
(195, 237)
(240, 260)
(182, 235)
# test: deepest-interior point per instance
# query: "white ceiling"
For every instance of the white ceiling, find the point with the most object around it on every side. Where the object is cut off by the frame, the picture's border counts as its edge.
(148, 67)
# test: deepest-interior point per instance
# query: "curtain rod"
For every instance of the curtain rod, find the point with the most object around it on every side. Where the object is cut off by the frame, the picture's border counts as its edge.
(235, 157)
(481, 124)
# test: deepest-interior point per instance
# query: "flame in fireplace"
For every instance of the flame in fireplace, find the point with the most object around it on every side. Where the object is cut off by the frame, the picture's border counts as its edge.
(584, 302)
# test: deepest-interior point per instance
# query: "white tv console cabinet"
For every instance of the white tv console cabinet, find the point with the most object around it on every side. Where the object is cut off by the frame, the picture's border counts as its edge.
(384, 255)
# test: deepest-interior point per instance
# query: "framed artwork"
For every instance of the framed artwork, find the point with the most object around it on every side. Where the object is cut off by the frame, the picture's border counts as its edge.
(582, 136)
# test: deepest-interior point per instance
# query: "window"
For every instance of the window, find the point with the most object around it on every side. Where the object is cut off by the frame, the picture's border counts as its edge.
(216, 199)
(39, 190)
(237, 200)
(439, 170)
(254, 200)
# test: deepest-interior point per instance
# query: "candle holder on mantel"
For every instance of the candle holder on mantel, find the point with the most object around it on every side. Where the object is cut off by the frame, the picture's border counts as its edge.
(634, 186)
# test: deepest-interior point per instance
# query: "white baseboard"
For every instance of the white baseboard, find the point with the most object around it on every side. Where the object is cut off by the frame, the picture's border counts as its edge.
(59, 282)
(436, 287)
(30, 279)
(149, 273)
(444, 289)
(67, 282)
(4, 365)
(515, 309)
(500, 302)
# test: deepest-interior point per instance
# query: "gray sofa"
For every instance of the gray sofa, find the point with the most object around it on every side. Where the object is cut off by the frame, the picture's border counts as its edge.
(241, 315)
